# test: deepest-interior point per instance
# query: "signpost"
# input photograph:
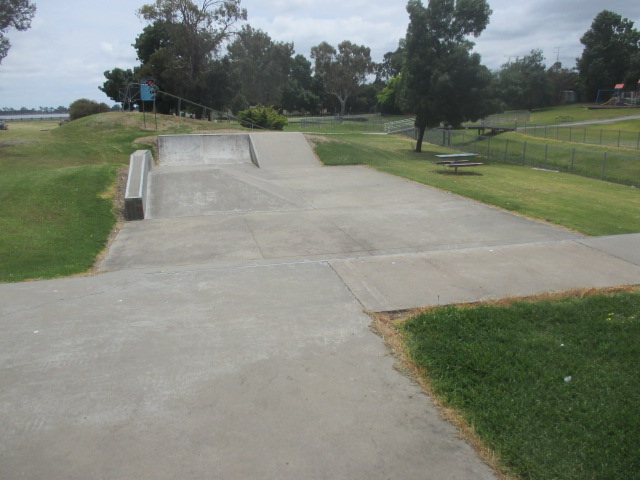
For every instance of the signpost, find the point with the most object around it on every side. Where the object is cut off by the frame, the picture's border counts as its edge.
(148, 92)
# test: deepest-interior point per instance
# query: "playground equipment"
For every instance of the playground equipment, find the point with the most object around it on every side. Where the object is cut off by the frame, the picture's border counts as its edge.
(617, 97)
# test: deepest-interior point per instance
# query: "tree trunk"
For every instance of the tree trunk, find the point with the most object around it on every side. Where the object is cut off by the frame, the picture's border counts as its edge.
(420, 138)
(343, 106)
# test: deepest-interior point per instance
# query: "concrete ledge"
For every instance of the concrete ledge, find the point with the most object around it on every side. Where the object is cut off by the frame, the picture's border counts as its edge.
(253, 153)
(135, 197)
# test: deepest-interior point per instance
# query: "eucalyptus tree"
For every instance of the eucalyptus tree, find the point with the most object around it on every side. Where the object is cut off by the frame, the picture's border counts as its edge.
(343, 70)
(183, 39)
(260, 66)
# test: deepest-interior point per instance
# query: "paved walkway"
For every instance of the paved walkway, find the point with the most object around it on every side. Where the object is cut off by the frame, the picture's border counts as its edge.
(227, 337)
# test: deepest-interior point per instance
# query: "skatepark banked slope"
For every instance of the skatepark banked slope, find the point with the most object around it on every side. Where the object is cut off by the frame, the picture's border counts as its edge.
(209, 174)
(226, 336)
(263, 198)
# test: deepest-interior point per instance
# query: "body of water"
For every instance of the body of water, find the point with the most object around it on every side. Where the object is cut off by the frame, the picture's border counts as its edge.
(33, 116)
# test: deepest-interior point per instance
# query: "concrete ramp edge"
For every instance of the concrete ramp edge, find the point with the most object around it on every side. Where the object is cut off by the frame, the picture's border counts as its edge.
(135, 197)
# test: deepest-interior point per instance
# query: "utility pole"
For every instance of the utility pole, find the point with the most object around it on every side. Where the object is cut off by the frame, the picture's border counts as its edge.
(557, 54)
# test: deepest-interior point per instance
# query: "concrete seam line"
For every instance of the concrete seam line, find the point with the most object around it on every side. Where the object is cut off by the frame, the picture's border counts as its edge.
(602, 252)
(349, 288)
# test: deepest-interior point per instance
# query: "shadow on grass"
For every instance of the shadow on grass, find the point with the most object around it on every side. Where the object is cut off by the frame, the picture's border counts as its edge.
(459, 174)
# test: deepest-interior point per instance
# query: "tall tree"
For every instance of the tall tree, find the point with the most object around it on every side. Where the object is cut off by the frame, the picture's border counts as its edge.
(260, 65)
(442, 82)
(184, 39)
(343, 70)
(299, 93)
(610, 46)
(524, 83)
(14, 14)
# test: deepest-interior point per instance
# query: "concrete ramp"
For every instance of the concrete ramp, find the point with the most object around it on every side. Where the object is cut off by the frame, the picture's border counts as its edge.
(226, 173)
(205, 190)
(227, 149)
(268, 150)
(278, 150)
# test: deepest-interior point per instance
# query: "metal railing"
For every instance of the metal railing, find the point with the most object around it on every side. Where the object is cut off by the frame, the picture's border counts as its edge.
(400, 126)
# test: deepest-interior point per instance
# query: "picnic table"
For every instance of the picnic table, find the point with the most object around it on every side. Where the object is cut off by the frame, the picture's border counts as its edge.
(456, 160)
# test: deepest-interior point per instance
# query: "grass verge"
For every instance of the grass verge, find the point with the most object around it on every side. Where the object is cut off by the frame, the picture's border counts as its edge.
(55, 222)
(585, 205)
(550, 386)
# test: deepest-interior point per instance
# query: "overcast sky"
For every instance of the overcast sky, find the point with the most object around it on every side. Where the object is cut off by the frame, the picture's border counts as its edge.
(72, 42)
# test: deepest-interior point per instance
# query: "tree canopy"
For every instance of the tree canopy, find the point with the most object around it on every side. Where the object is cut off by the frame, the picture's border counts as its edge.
(14, 14)
(260, 65)
(442, 82)
(180, 45)
(301, 92)
(524, 83)
(343, 70)
(611, 53)
(432, 74)
(83, 108)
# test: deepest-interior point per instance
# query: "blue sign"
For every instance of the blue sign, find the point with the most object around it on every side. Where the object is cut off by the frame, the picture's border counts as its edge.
(147, 92)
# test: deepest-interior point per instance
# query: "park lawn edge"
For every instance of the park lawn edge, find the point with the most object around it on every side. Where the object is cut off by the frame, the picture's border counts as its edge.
(388, 326)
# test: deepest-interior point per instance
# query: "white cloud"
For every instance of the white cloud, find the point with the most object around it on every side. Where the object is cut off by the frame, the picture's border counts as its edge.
(72, 42)
(106, 47)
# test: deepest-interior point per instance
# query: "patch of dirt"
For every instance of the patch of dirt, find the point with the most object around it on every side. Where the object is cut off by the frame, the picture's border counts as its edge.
(316, 139)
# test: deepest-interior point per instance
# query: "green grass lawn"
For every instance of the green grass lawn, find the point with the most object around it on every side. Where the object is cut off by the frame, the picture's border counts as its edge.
(553, 387)
(625, 135)
(56, 189)
(578, 113)
(582, 204)
(54, 222)
(624, 125)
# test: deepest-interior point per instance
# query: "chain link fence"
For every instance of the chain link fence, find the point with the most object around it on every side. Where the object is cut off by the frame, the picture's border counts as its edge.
(505, 119)
(614, 166)
(580, 134)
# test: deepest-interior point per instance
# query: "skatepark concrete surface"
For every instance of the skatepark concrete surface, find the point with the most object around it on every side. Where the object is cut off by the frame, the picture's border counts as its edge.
(226, 337)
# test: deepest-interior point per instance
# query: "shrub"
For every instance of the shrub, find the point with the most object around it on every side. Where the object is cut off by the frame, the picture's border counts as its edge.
(263, 117)
(84, 108)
